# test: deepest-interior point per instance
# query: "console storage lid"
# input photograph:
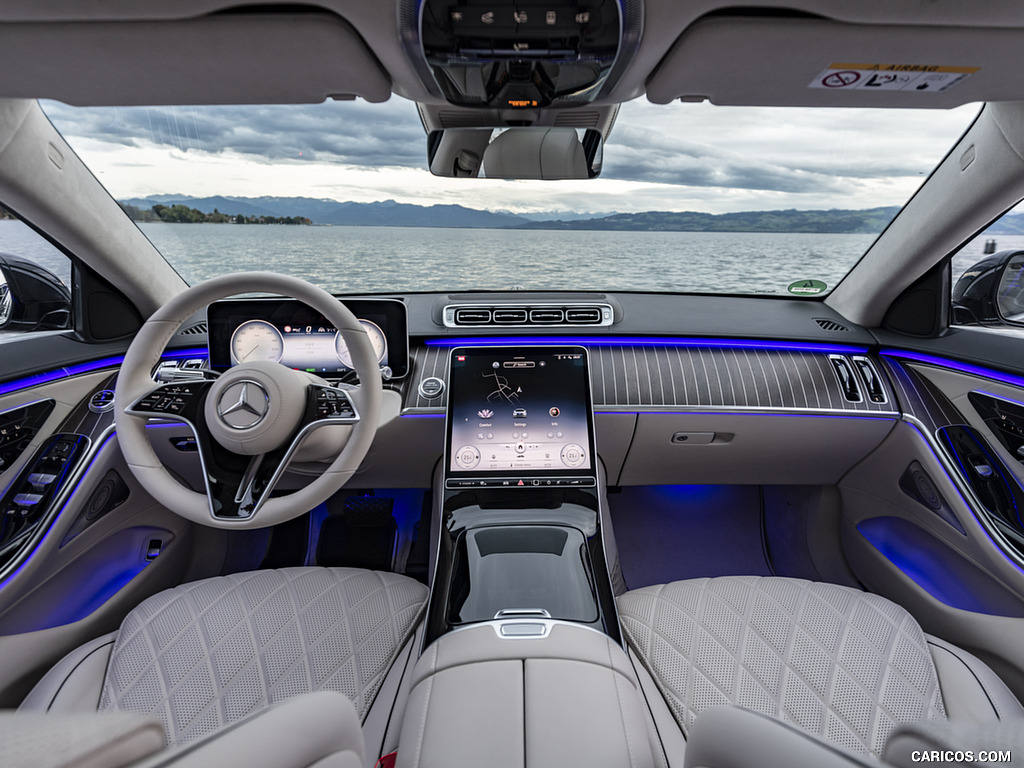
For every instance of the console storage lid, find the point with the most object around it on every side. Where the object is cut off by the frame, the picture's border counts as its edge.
(520, 692)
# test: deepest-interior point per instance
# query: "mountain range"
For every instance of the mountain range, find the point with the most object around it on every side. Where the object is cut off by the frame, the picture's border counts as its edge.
(390, 213)
(383, 214)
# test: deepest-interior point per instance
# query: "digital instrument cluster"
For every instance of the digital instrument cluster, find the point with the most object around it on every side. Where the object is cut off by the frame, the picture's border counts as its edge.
(288, 332)
(519, 417)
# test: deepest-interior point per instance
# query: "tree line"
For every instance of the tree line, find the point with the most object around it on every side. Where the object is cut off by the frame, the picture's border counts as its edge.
(182, 214)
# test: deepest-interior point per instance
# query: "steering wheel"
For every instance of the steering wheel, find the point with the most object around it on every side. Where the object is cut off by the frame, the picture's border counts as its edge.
(253, 419)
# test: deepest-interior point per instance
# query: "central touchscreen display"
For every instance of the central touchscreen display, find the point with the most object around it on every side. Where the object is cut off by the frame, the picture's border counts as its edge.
(519, 415)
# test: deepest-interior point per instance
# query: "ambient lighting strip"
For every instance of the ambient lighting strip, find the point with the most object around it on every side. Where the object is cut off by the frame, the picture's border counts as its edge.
(94, 365)
(955, 365)
(646, 341)
(967, 495)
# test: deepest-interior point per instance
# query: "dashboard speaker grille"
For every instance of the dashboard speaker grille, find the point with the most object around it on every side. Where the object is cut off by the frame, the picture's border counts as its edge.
(830, 325)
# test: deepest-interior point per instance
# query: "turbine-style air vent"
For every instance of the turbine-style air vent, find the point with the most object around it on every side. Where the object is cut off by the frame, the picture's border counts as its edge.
(830, 325)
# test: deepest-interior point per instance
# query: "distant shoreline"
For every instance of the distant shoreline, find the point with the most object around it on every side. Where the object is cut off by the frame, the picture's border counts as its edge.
(389, 213)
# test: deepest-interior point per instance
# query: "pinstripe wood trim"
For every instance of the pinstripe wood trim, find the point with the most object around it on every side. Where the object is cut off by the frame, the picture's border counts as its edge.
(919, 398)
(688, 377)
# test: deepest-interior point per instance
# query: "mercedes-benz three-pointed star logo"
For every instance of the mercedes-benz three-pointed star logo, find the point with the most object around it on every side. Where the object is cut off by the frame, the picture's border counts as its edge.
(243, 404)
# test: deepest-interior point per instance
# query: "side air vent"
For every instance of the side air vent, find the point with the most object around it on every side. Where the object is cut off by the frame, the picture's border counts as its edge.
(510, 316)
(847, 378)
(193, 330)
(872, 381)
(546, 316)
(472, 316)
(534, 315)
(830, 325)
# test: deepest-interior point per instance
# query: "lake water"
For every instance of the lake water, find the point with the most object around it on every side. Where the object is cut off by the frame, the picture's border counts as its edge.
(375, 259)
(398, 259)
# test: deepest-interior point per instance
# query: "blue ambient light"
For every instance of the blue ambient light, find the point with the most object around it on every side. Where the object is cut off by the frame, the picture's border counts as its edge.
(93, 365)
(955, 365)
(645, 341)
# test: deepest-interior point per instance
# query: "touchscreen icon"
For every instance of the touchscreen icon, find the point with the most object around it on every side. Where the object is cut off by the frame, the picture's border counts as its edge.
(519, 413)
(485, 413)
(554, 412)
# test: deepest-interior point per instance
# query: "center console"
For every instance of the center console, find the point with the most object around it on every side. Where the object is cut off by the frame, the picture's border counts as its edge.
(522, 661)
(521, 509)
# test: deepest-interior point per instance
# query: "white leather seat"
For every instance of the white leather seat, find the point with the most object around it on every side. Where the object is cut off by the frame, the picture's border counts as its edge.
(844, 665)
(207, 654)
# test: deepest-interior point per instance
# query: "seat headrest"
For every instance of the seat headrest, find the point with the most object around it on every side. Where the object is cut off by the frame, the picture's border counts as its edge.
(536, 153)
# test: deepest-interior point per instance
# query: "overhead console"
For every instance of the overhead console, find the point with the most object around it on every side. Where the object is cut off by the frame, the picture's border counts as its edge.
(524, 54)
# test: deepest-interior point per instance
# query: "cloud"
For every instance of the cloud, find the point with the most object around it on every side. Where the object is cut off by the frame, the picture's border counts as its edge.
(342, 132)
(676, 157)
(793, 150)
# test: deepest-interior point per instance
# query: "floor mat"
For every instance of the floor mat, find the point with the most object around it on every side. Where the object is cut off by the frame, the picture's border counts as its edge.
(671, 532)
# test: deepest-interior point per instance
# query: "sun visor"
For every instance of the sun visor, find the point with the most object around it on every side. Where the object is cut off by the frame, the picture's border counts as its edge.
(223, 59)
(748, 61)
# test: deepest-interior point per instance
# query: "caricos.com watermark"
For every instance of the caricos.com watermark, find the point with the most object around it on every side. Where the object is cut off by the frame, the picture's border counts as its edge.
(960, 756)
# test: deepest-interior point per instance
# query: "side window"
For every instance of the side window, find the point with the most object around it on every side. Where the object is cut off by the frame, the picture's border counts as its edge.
(988, 275)
(35, 280)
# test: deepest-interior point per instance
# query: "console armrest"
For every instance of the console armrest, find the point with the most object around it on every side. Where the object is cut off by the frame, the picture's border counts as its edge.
(496, 695)
(88, 740)
(319, 729)
(732, 737)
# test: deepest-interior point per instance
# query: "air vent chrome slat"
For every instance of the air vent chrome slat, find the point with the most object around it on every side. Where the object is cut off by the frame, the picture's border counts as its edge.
(472, 316)
(583, 316)
(546, 316)
(510, 316)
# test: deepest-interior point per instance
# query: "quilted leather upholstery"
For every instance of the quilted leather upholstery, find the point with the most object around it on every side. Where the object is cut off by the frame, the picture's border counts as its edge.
(841, 664)
(206, 654)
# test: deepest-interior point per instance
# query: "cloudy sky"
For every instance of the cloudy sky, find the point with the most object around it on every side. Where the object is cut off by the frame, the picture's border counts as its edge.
(682, 157)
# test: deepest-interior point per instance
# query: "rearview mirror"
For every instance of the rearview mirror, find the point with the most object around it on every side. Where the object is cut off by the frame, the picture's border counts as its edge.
(31, 297)
(515, 153)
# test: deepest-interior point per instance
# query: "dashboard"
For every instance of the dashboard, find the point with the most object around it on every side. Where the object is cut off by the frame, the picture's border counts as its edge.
(289, 332)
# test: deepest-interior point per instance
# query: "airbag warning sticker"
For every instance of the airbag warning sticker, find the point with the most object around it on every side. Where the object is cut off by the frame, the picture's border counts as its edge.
(890, 77)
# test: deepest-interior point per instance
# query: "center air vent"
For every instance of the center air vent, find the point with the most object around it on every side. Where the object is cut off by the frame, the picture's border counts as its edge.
(534, 315)
(546, 316)
(510, 316)
(472, 316)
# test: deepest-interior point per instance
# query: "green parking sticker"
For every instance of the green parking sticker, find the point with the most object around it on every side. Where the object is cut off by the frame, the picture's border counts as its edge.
(807, 287)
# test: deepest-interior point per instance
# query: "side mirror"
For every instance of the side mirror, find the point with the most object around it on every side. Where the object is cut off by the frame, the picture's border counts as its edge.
(1010, 289)
(516, 153)
(31, 297)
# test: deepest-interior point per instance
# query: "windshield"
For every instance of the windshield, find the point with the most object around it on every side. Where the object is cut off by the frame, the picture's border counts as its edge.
(692, 198)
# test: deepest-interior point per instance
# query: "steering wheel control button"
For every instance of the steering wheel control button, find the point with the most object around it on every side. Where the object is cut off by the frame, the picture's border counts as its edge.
(431, 387)
(333, 404)
(243, 404)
